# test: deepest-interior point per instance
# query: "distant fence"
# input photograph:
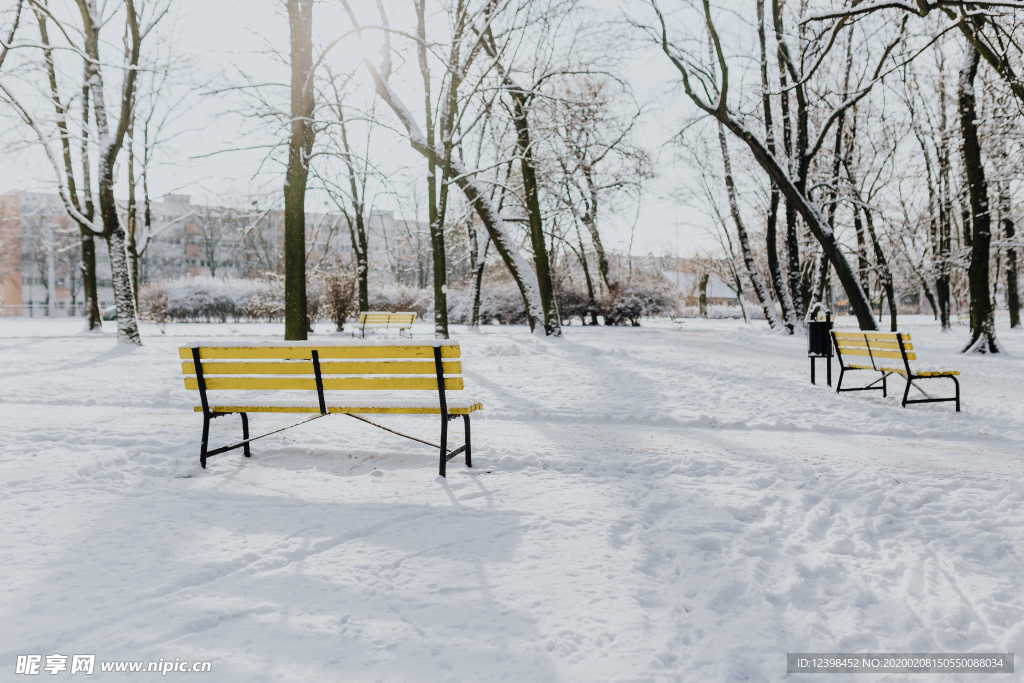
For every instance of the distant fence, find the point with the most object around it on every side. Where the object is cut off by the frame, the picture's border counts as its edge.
(60, 310)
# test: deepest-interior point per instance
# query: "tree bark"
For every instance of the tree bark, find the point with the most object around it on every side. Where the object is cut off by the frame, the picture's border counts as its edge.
(795, 149)
(112, 140)
(702, 294)
(983, 334)
(86, 208)
(813, 219)
(490, 217)
(552, 323)
(357, 221)
(132, 214)
(300, 147)
(435, 219)
(760, 291)
(771, 226)
(1009, 234)
(884, 273)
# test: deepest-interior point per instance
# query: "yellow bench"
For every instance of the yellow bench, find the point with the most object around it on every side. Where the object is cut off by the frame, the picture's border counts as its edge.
(353, 379)
(384, 320)
(887, 353)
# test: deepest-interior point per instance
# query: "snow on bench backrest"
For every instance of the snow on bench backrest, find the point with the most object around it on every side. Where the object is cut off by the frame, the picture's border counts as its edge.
(874, 345)
(345, 367)
(399, 319)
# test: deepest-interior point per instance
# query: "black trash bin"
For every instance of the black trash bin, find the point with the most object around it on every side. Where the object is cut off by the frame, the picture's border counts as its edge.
(819, 345)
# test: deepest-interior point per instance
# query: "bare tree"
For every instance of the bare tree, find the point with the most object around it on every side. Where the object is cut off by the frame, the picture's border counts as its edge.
(476, 195)
(300, 148)
(111, 126)
(714, 102)
(983, 333)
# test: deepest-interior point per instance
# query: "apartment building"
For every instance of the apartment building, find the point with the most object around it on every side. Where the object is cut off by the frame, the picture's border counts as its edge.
(40, 249)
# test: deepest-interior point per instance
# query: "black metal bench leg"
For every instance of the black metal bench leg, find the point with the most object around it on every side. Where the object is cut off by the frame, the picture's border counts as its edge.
(469, 450)
(443, 462)
(206, 438)
(906, 392)
(245, 435)
(885, 388)
(839, 383)
(957, 383)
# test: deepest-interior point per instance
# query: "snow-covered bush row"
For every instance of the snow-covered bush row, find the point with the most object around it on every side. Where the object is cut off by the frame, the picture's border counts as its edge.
(720, 312)
(212, 299)
(498, 306)
(332, 297)
(396, 297)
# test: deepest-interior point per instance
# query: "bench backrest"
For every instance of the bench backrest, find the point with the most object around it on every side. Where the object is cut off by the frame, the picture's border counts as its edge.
(401, 319)
(392, 367)
(881, 348)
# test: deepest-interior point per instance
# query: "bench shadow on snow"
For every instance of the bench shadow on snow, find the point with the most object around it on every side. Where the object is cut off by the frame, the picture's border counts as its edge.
(312, 576)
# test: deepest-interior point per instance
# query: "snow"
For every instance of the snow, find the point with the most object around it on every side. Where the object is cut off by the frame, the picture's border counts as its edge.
(325, 338)
(659, 503)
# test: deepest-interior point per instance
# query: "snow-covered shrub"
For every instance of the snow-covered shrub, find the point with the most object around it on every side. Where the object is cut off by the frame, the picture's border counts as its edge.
(265, 301)
(401, 298)
(643, 296)
(153, 303)
(339, 297)
(314, 299)
(460, 305)
(500, 303)
(720, 312)
(576, 303)
(210, 299)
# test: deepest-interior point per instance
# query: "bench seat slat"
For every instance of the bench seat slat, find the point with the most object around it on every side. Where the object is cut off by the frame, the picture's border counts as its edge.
(359, 409)
(875, 354)
(329, 383)
(923, 373)
(872, 336)
(299, 367)
(303, 352)
(875, 345)
(384, 318)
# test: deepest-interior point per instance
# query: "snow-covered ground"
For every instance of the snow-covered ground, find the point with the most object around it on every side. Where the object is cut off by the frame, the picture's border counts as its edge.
(663, 503)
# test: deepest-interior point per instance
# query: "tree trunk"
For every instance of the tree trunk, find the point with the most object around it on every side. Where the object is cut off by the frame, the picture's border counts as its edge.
(702, 294)
(357, 222)
(588, 280)
(943, 289)
(794, 149)
(760, 291)
(1009, 234)
(983, 333)
(771, 235)
(489, 215)
(478, 277)
(120, 277)
(1012, 287)
(132, 215)
(812, 217)
(884, 273)
(90, 303)
(589, 220)
(300, 146)
(86, 208)
(435, 217)
(552, 323)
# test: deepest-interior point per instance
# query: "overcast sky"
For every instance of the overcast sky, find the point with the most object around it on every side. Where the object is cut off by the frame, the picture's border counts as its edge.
(218, 41)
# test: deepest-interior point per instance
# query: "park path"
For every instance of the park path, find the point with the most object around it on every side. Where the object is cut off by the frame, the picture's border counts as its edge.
(652, 504)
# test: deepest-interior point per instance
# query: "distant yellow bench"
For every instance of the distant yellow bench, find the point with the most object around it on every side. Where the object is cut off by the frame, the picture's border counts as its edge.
(378, 379)
(401, 321)
(876, 352)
